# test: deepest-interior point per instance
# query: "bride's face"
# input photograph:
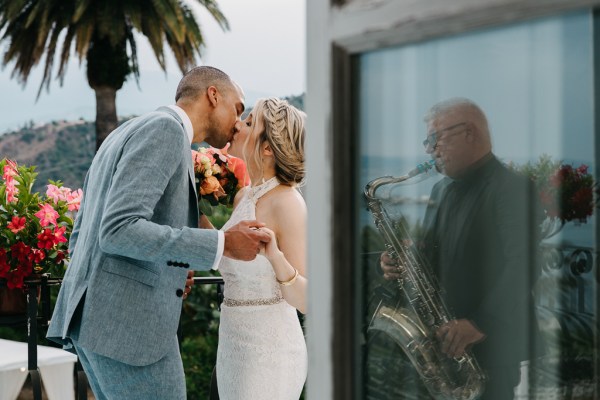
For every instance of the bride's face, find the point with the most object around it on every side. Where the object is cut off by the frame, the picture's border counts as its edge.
(244, 142)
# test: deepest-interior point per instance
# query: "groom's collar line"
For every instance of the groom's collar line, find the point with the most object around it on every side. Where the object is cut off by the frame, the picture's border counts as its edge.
(187, 123)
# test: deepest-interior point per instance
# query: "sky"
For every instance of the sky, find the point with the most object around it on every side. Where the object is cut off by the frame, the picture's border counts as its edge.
(264, 51)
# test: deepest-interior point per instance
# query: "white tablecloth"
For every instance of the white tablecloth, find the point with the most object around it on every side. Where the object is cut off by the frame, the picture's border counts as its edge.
(55, 365)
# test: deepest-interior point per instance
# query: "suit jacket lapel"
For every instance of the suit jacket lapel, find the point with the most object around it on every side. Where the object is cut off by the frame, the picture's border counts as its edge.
(189, 163)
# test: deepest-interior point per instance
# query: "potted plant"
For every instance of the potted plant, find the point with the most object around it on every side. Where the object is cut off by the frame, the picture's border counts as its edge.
(34, 228)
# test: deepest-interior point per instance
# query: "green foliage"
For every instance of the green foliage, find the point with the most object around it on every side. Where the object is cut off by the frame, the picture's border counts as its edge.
(220, 215)
(565, 191)
(296, 101)
(200, 327)
(28, 137)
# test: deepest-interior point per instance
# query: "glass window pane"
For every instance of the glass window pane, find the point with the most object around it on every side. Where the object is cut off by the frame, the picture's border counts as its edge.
(490, 250)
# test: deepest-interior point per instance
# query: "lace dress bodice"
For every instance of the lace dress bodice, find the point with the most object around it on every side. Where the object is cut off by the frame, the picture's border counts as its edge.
(262, 352)
(249, 280)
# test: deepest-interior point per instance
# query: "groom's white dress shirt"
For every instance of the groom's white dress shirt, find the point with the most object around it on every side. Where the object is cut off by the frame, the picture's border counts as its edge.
(189, 129)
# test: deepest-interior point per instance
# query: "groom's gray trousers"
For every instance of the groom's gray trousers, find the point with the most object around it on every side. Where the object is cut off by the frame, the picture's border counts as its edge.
(161, 380)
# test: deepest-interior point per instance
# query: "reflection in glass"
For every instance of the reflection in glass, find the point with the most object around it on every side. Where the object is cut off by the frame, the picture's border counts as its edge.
(492, 255)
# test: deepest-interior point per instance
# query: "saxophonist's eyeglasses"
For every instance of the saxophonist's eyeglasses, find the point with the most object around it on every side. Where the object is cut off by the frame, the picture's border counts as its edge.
(433, 137)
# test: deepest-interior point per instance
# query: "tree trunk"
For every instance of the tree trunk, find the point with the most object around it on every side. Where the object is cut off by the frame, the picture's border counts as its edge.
(106, 113)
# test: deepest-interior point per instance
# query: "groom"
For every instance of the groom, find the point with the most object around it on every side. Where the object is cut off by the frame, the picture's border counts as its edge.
(134, 242)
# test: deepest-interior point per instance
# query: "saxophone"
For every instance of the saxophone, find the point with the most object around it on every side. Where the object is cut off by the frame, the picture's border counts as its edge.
(413, 328)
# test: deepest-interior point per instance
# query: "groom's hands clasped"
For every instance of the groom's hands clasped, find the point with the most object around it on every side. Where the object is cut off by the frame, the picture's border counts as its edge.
(244, 240)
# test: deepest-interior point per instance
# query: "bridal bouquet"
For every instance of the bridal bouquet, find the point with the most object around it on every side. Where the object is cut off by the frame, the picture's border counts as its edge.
(219, 176)
(34, 229)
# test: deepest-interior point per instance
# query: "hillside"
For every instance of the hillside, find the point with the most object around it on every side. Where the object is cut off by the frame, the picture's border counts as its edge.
(60, 150)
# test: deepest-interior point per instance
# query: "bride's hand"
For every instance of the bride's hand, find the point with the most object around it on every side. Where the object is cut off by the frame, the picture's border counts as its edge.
(270, 249)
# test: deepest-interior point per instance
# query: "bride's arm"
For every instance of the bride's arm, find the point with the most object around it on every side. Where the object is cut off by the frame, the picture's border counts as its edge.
(204, 223)
(287, 250)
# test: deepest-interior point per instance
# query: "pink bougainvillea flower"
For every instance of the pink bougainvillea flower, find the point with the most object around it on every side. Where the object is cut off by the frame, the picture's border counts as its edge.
(59, 235)
(74, 199)
(11, 191)
(45, 239)
(14, 279)
(10, 170)
(20, 251)
(60, 256)
(4, 264)
(53, 192)
(16, 224)
(47, 215)
(582, 169)
(37, 256)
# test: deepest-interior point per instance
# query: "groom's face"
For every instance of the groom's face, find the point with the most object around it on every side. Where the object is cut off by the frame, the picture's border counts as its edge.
(225, 118)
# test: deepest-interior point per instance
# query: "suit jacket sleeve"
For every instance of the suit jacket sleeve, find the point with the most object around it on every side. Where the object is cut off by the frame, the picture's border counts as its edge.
(141, 176)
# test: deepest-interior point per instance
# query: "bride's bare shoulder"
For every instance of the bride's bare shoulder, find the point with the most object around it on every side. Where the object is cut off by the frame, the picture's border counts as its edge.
(288, 201)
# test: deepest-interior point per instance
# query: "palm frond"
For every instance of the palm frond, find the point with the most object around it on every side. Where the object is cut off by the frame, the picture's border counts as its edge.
(83, 38)
(50, 51)
(215, 11)
(34, 30)
(171, 18)
(66, 51)
(81, 7)
(154, 33)
(135, 69)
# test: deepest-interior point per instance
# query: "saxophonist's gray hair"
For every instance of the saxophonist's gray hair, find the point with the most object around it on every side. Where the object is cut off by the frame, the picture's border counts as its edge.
(471, 111)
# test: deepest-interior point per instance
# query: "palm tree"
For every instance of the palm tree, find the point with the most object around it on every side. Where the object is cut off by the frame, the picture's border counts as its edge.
(101, 31)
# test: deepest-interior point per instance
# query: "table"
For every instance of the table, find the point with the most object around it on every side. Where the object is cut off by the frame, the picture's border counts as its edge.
(56, 368)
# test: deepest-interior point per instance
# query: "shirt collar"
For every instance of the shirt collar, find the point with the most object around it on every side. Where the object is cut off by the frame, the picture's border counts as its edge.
(187, 123)
(475, 170)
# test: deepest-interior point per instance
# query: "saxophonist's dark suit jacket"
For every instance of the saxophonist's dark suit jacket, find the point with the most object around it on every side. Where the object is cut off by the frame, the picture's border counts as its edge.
(481, 243)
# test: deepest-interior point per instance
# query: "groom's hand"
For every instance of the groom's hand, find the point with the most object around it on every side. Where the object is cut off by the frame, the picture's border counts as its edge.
(245, 240)
(189, 282)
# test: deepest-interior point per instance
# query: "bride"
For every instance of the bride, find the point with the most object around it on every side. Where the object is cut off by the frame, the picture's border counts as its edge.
(262, 351)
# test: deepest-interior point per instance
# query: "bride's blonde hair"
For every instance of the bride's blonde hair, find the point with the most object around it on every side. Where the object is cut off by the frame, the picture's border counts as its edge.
(284, 131)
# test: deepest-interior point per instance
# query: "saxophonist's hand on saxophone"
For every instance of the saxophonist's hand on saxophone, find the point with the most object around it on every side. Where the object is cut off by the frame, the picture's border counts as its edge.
(389, 267)
(455, 336)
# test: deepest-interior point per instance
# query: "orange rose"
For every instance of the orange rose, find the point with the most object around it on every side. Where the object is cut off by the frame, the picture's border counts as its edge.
(210, 185)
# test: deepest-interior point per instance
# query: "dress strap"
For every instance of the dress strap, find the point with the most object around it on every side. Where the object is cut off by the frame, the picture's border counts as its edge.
(256, 192)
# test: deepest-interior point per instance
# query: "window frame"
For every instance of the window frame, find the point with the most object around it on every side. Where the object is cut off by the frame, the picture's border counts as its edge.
(338, 33)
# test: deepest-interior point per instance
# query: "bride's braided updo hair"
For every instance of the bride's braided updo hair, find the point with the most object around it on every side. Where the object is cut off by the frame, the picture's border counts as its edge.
(284, 131)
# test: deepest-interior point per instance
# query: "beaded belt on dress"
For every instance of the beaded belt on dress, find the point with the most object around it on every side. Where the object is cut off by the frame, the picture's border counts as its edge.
(253, 302)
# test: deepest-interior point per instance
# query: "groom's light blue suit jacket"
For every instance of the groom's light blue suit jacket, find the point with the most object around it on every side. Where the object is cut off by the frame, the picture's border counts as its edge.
(132, 244)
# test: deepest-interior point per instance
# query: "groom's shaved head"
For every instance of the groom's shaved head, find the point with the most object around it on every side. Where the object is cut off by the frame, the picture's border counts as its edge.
(198, 79)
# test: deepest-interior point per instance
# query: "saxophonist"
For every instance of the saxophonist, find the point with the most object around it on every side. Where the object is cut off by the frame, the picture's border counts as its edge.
(481, 244)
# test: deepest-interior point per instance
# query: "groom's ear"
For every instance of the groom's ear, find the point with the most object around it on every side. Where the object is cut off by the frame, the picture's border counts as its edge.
(213, 95)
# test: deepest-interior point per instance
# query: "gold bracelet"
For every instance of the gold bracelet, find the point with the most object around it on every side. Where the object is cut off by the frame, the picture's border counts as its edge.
(289, 282)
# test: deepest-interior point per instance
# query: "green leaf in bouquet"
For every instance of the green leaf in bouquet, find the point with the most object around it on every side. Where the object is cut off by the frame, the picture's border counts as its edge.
(205, 207)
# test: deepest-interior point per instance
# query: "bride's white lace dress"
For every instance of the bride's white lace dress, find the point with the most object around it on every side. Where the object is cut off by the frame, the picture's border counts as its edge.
(262, 351)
